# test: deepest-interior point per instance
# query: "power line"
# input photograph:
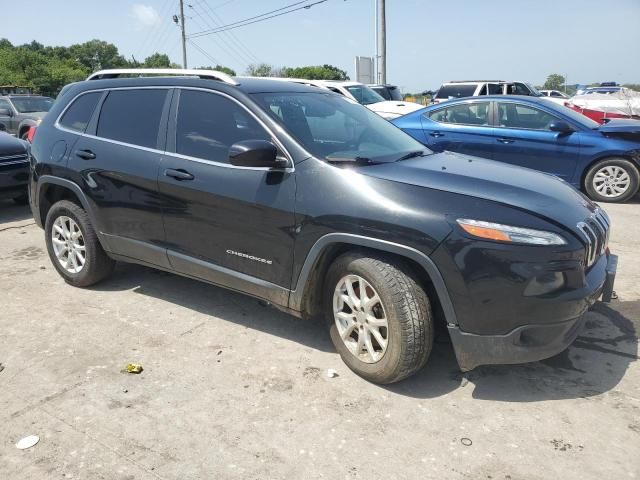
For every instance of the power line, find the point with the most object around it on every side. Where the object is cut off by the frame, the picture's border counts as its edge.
(256, 19)
(230, 35)
(237, 53)
(203, 52)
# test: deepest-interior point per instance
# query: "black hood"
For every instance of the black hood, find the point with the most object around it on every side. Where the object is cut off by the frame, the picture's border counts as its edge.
(539, 193)
(10, 146)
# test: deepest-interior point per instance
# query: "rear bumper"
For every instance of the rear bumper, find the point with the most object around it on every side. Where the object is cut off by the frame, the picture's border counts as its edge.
(528, 343)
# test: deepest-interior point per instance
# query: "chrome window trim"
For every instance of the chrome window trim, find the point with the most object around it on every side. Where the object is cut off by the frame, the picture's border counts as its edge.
(274, 138)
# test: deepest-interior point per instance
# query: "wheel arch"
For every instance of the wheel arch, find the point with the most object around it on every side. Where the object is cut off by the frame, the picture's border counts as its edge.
(53, 189)
(305, 298)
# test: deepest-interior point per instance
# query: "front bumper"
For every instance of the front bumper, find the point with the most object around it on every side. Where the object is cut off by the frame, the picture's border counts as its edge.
(528, 343)
(13, 179)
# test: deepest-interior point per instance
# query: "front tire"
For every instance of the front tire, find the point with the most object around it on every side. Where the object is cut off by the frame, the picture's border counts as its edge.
(612, 180)
(380, 318)
(73, 246)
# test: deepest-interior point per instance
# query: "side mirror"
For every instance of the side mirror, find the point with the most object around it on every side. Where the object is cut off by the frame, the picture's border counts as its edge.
(255, 153)
(5, 112)
(560, 126)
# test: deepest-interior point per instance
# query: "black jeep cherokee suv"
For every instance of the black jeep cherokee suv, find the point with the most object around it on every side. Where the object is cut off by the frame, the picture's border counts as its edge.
(304, 199)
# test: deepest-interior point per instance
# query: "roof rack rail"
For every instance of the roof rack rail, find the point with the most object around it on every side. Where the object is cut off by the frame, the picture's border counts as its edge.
(204, 74)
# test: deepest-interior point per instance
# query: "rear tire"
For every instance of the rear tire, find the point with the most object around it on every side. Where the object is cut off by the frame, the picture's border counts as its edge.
(393, 352)
(612, 180)
(73, 246)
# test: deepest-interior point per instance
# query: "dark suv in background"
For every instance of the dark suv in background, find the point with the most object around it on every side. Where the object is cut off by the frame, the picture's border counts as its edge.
(299, 197)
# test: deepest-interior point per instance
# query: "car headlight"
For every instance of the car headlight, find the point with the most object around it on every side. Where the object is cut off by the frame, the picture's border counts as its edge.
(508, 233)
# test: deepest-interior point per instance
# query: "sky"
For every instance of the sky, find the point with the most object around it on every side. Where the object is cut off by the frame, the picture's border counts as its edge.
(428, 42)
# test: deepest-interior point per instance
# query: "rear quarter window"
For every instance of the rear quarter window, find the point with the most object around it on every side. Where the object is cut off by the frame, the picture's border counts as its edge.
(132, 116)
(78, 114)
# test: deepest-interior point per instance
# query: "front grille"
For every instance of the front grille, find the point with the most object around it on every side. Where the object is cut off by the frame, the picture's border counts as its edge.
(595, 232)
(14, 159)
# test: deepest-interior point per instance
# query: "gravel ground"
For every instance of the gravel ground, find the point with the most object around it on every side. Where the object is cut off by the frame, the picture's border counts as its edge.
(234, 390)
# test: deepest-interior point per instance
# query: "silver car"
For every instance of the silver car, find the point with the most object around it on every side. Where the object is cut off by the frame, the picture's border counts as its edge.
(20, 112)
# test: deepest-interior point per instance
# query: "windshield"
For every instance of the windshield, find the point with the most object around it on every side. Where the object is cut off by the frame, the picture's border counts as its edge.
(336, 129)
(578, 117)
(534, 91)
(32, 104)
(365, 95)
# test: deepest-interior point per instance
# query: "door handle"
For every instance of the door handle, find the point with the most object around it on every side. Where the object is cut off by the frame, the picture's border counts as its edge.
(505, 140)
(436, 134)
(178, 174)
(85, 154)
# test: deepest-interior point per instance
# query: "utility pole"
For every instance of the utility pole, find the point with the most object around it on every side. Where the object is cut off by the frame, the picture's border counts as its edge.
(184, 36)
(381, 37)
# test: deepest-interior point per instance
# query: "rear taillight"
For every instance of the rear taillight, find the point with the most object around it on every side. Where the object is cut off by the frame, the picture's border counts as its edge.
(31, 133)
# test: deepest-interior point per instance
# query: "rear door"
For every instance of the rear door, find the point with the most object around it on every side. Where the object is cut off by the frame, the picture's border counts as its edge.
(461, 127)
(230, 225)
(117, 161)
(522, 137)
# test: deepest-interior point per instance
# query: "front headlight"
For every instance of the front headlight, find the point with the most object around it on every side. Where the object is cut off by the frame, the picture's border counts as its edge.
(508, 233)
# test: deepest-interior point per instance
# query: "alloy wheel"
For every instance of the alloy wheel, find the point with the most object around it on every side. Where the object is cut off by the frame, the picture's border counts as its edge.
(611, 181)
(68, 244)
(360, 318)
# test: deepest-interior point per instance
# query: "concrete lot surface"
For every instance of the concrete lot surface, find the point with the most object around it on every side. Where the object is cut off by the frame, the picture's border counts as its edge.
(235, 390)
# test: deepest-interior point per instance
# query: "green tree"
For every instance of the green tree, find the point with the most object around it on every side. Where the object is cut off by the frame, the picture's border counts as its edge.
(97, 55)
(554, 82)
(260, 70)
(157, 60)
(316, 72)
(220, 68)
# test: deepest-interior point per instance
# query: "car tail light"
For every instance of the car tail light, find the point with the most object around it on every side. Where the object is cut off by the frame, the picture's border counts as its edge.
(31, 133)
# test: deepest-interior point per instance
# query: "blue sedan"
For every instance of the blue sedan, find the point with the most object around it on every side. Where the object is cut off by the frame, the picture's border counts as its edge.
(602, 160)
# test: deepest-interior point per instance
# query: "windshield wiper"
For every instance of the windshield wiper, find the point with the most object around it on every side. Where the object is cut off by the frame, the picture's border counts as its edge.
(356, 160)
(416, 153)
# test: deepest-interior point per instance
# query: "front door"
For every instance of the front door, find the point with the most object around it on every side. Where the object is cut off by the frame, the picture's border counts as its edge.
(523, 137)
(227, 224)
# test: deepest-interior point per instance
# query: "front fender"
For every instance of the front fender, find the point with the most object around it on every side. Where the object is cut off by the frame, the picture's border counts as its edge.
(296, 297)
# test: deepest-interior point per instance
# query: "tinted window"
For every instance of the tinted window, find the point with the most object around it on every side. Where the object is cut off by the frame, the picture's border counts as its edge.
(495, 89)
(394, 93)
(556, 94)
(456, 91)
(465, 114)
(512, 115)
(132, 116)
(208, 124)
(4, 104)
(79, 113)
(382, 91)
